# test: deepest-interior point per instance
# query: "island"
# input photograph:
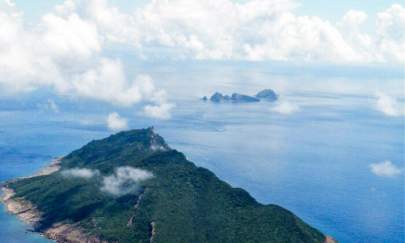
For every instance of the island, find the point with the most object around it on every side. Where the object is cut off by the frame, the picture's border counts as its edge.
(266, 95)
(132, 187)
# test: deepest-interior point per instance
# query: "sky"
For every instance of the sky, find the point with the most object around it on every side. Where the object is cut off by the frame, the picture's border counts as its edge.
(355, 32)
(334, 10)
(142, 56)
(324, 9)
(70, 47)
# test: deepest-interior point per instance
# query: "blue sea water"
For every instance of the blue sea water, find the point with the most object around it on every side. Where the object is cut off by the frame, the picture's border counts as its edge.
(314, 162)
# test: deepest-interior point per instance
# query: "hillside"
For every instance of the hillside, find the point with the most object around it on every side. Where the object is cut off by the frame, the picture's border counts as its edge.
(131, 187)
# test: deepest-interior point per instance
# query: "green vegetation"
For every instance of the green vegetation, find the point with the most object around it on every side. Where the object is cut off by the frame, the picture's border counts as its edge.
(183, 202)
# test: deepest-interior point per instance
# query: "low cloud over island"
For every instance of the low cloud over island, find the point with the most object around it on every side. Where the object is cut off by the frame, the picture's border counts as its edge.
(80, 173)
(124, 180)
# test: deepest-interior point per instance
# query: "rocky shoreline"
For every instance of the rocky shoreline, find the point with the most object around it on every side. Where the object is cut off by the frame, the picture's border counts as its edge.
(59, 232)
(23, 209)
(29, 214)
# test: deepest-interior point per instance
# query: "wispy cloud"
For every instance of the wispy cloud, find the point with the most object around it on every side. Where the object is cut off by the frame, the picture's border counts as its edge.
(285, 107)
(125, 180)
(50, 105)
(80, 173)
(116, 123)
(385, 169)
(162, 111)
(389, 105)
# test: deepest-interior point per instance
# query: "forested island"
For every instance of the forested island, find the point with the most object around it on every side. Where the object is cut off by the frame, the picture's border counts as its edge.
(132, 187)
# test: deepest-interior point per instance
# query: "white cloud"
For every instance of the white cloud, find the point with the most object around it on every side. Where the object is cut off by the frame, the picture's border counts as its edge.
(385, 169)
(351, 26)
(106, 82)
(354, 17)
(125, 180)
(285, 107)
(10, 3)
(107, 18)
(45, 55)
(161, 111)
(116, 123)
(224, 29)
(80, 172)
(300, 38)
(64, 52)
(391, 34)
(388, 105)
(254, 30)
(70, 38)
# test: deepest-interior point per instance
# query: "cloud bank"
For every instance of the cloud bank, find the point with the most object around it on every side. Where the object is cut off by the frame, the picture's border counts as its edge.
(385, 169)
(252, 30)
(64, 53)
(116, 123)
(205, 29)
(125, 180)
(66, 50)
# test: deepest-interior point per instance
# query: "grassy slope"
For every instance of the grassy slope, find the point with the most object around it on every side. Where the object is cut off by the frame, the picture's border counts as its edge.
(186, 203)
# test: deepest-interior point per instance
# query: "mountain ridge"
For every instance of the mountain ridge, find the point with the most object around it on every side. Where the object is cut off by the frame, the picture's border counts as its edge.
(178, 202)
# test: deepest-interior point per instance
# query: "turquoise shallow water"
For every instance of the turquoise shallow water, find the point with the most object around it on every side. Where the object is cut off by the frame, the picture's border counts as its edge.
(13, 231)
(314, 162)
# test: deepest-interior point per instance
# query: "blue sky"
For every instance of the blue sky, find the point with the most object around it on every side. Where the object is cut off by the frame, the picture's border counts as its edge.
(332, 11)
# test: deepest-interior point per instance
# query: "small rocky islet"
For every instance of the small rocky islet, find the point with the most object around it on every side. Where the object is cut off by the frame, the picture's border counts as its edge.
(263, 95)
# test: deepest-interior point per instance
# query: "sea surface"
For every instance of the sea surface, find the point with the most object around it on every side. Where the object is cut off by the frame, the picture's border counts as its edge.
(314, 161)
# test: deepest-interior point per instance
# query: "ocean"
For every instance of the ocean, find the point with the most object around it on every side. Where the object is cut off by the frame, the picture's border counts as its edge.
(314, 161)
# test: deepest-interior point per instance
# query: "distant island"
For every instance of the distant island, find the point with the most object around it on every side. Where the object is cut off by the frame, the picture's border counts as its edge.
(266, 95)
(132, 187)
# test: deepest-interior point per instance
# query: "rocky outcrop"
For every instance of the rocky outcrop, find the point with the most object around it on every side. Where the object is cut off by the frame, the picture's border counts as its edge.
(234, 98)
(24, 210)
(68, 233)
(266, 95)
(29, 214)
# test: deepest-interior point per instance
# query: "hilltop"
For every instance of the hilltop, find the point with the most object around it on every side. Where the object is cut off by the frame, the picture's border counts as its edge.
(132, 187)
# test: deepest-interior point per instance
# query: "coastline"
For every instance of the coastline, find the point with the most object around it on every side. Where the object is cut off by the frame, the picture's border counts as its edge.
(23, 209)
(329, 239)
(20, 207)
(30, 215)
(54, 166)
(59, 232)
